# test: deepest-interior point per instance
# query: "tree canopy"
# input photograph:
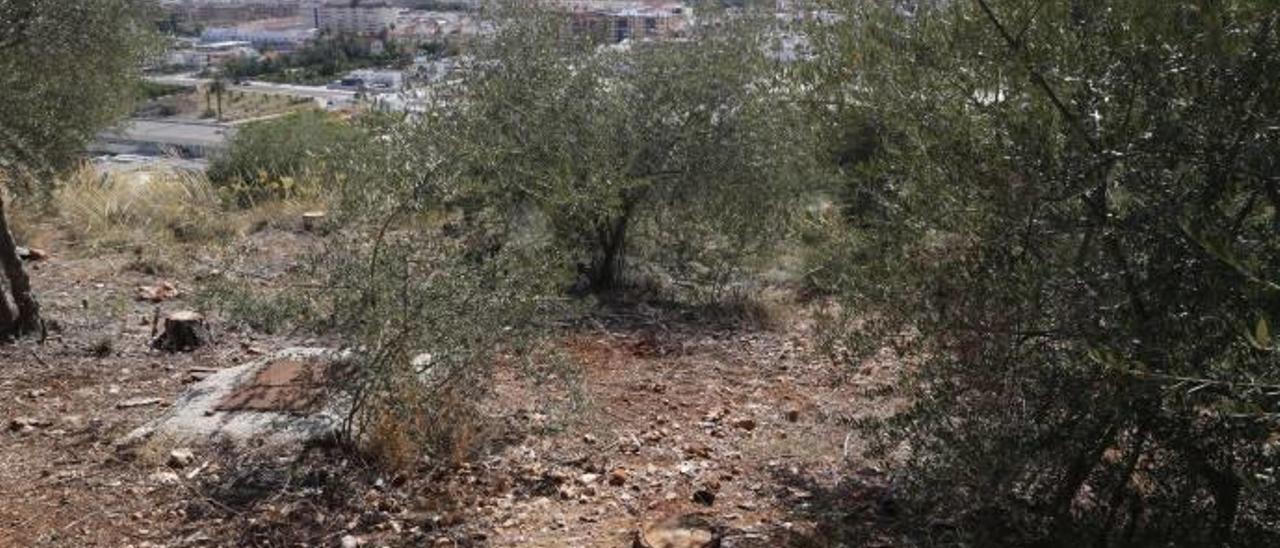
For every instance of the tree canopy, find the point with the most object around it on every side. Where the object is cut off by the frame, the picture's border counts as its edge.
(669, 138)
(1065, 213)
(67, 69)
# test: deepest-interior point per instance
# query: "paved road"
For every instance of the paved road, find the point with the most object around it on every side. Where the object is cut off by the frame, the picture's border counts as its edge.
(314, 92)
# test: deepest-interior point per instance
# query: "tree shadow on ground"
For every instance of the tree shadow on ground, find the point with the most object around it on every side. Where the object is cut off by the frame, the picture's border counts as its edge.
(859, 510)
(327, 490)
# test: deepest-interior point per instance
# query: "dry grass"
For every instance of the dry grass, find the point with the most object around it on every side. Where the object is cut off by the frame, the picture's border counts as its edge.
(152, 208)
(159, 216)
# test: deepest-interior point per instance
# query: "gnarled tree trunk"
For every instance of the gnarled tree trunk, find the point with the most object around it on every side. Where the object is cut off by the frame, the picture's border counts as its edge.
(8, 317)
(27, 319)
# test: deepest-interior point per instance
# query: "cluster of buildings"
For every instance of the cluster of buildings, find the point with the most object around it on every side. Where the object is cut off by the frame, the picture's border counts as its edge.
(277, 33)
(233, 29)
(618, 21)
(198, 54)
(237, 29)
(284, 25)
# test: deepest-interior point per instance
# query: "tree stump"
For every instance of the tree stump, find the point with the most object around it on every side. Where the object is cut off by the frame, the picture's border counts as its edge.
(183, 332)
(311, 220)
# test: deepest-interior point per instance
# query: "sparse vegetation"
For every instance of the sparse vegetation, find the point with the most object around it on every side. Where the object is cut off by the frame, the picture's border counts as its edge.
(967, 273)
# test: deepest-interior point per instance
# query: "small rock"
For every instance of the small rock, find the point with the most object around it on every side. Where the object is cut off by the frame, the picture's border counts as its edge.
(704, 497)
(158, 293)
(164, 477)
(745, 424)
(350, 541)
(698, 450)
(32, 254)
(715, 416)
(588, 479)
(690, 531)
(793, 415)
(137, 402)
(618, 477)
(181, 458)
(22, 424)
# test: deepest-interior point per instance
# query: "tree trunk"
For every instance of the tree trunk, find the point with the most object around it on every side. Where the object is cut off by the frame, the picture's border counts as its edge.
(607, 270)
(8, 318)
(28, 310)
(1076, 475)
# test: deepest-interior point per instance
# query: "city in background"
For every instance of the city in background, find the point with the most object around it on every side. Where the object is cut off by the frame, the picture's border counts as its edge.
(232, 62)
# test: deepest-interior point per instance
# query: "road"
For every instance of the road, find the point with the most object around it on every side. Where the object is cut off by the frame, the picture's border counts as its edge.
(334, 96)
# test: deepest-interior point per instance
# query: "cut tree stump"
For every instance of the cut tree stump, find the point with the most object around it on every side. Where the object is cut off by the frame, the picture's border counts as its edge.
(183, 332)
(312, 220)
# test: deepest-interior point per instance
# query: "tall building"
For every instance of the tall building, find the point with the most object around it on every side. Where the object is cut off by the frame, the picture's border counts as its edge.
(618, 20)
(354, 17)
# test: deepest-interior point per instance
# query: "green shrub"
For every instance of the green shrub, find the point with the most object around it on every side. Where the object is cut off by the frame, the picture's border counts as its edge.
(277, 158)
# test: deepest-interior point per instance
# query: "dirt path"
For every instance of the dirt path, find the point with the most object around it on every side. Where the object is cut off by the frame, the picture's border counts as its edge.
(740, 426)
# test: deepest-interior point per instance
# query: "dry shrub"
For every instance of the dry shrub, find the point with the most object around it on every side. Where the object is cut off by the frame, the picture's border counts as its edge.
(153, 208)
(765, 310)
(390, 442)
(414, 423)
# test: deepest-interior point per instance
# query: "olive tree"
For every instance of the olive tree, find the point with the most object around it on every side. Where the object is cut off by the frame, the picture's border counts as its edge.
(455, 229)
(67, 68)
(1064, 215)
(699, 137)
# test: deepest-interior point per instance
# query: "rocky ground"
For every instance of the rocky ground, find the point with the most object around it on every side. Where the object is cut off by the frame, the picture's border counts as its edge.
(740, 431)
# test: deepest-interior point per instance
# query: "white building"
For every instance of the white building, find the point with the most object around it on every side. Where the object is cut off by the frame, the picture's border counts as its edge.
(277, 38)
(358, 18)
